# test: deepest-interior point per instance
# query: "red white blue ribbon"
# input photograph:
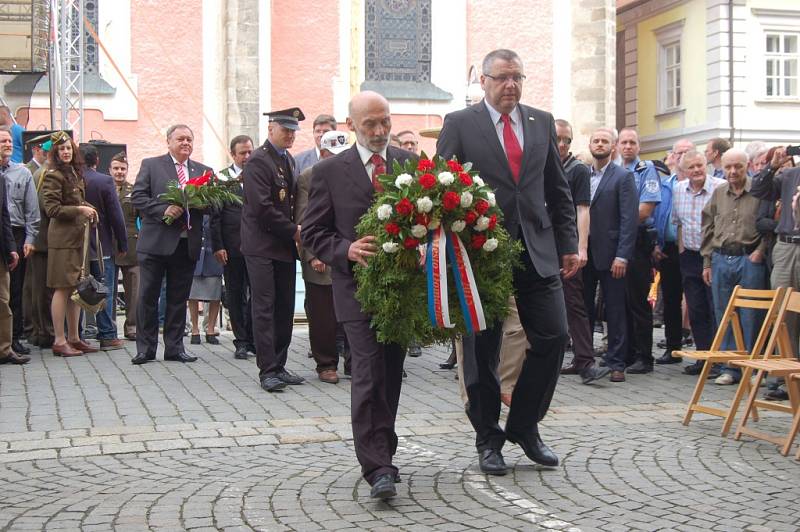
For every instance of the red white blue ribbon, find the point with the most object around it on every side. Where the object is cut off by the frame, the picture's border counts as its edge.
(436, 268)
(466, 287)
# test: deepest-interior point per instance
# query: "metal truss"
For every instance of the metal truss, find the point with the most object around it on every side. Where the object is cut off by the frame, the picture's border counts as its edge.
(67, 65)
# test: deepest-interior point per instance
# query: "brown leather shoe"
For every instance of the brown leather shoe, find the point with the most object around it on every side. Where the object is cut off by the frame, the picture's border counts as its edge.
(111, 343)
(505, 398)
(329, 375)
(570, 370)
(66, 350)
(82, 346)
(617, 376)
(14, 358)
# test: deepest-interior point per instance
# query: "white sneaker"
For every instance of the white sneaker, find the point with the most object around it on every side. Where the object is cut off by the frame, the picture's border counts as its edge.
(725, 379)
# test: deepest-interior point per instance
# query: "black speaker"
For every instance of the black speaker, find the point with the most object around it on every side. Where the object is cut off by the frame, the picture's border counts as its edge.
(105, 151)
(28, 135)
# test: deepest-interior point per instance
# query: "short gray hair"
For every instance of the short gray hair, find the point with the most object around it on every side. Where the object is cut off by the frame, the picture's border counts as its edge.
(173, 127)
(501, 53)
(689, 155)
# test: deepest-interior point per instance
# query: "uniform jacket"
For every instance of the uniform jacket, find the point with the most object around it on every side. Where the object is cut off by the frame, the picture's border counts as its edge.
(268, 226)
(341, 192)
(539, 208)
(101, 193)
(310, 275)
(613, 217)
(226, 225)
(131, 229)
(156, 237)
(60, 199)
(7, 244)
(207, 265)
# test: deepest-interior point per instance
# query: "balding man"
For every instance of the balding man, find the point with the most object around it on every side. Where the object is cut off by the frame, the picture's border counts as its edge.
(733, 250)
(342, 189)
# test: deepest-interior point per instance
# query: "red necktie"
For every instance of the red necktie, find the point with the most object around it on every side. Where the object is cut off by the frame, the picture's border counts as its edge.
(181, 174)
(379, 167)
(513, 150)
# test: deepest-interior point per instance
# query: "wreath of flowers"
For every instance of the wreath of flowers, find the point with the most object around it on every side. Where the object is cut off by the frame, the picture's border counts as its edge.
(418, 198)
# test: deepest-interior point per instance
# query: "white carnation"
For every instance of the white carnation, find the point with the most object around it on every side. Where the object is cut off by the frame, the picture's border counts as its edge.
(424, 204)
(403, 180)
(390, 247)
(419, 231)
(434, 224)
(446, 178)
(491, 199)
(384, 212)
(482, 223)
(490, 245)
(478, 181)
(466, 199)
(458, 226)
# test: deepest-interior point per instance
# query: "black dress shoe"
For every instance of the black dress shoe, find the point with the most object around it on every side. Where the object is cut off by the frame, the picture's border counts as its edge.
(251, 348)
(414, 350)
(183, 356)
(534, 448)
(667, 358)
(272, 384)
(20, 349)
(383, 487)
(451, 361)
(694, 369)
(589, 375)
(142, 358)
(639, 368)
(212, 339)
(240, 353)
(196, 340)
(289, 378)
(491, 462)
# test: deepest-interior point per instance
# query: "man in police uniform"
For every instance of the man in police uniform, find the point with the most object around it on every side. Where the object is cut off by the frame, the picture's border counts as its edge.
(269, 245)
(639, 272)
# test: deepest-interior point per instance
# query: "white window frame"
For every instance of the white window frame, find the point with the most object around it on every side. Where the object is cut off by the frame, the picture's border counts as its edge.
(780, 59)
(668, 37)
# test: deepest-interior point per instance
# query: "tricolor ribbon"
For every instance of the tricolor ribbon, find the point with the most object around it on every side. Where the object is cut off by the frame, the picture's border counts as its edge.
(443, 246)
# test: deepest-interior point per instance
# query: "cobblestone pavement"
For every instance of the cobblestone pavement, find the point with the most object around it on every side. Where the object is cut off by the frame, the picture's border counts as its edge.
(95, 443)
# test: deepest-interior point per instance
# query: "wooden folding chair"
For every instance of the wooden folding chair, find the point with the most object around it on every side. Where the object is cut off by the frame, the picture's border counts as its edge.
(741, 298)
(787, 367)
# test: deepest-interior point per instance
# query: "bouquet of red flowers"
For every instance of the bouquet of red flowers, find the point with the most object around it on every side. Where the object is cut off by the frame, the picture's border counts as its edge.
(202, 192)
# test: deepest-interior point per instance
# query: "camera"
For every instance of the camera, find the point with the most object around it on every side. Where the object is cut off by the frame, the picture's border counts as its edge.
(792, 150)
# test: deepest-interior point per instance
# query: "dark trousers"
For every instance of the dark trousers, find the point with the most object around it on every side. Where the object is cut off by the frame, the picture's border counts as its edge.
(272, 285)
(614, 310)
(699, 300)
(377, 376)
(578, 322)
(16, 283)
(671, 295)
(41, 299)
(237, 299)
(540, 302)
(178, 269)
(322, 325)
(639, 313)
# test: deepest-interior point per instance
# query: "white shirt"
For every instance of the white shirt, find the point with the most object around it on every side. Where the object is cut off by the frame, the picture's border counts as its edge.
(516, 124)
(185, 165)
(597, 176)
(366, 155)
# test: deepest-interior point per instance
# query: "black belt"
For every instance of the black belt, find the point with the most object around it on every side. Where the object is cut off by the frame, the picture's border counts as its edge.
(736, 251)
(789, 239)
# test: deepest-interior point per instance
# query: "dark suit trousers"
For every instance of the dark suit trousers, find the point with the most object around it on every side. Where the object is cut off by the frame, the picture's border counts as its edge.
(272, 285)
(237, 298)
(377, 376)
(578, 322)
(322, 325)
(540, 302)
(178, 269)
(638, 278)
(698, 299)
(671, 295)
(16, 282)
(614, 310)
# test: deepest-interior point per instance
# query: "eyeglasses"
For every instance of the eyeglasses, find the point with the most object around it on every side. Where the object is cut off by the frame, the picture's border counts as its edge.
(516, 78)
(565, 140)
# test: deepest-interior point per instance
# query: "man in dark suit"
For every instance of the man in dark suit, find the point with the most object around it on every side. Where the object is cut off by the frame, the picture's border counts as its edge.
(102, 194)
(612, 236)
(166, 249)
(226, 242)
(513, 146)
(342, 189)
(269, 245)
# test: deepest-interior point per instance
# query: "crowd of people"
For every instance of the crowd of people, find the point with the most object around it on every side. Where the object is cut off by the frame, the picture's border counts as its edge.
(597, 230)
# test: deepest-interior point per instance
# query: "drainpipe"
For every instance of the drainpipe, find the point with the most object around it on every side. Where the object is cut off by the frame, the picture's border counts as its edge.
(730, 70)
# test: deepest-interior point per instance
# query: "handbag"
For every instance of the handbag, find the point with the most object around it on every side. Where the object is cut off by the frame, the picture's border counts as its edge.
(90, 294)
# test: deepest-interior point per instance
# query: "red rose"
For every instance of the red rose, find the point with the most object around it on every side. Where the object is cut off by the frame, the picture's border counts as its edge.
(481, 206)
(404, 207)
(478, 240)
(471, 217)
(450, 200)
(425, 165)
(422, 219)
(392, 228)
(454, 166)
(199, 181)
(492, 222)
(465, 178)
(410, 242)
(427, 181)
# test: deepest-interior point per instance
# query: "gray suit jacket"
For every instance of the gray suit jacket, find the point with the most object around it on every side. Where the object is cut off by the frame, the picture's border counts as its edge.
(306, 159)
(613, 218)
(539, 208)
(156, 237)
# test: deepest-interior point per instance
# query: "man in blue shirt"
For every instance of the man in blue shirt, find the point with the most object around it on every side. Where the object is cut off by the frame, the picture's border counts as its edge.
(639, 274)
(7, 119)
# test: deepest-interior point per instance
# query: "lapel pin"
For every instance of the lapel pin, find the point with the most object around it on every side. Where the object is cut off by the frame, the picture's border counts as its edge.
(531, 118)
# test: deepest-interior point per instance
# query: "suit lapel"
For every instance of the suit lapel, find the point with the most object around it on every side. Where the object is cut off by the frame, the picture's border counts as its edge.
(603, 182)
(169, 167)
(487, 128)
(528, 137)
(357, 172)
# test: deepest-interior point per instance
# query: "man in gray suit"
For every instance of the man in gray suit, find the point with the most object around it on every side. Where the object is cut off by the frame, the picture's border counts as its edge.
(306, 159)
(513, 146)
(163, 249)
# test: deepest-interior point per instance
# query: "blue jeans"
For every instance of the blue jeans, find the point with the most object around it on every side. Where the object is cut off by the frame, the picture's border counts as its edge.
(106, 325)
(726, 272)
